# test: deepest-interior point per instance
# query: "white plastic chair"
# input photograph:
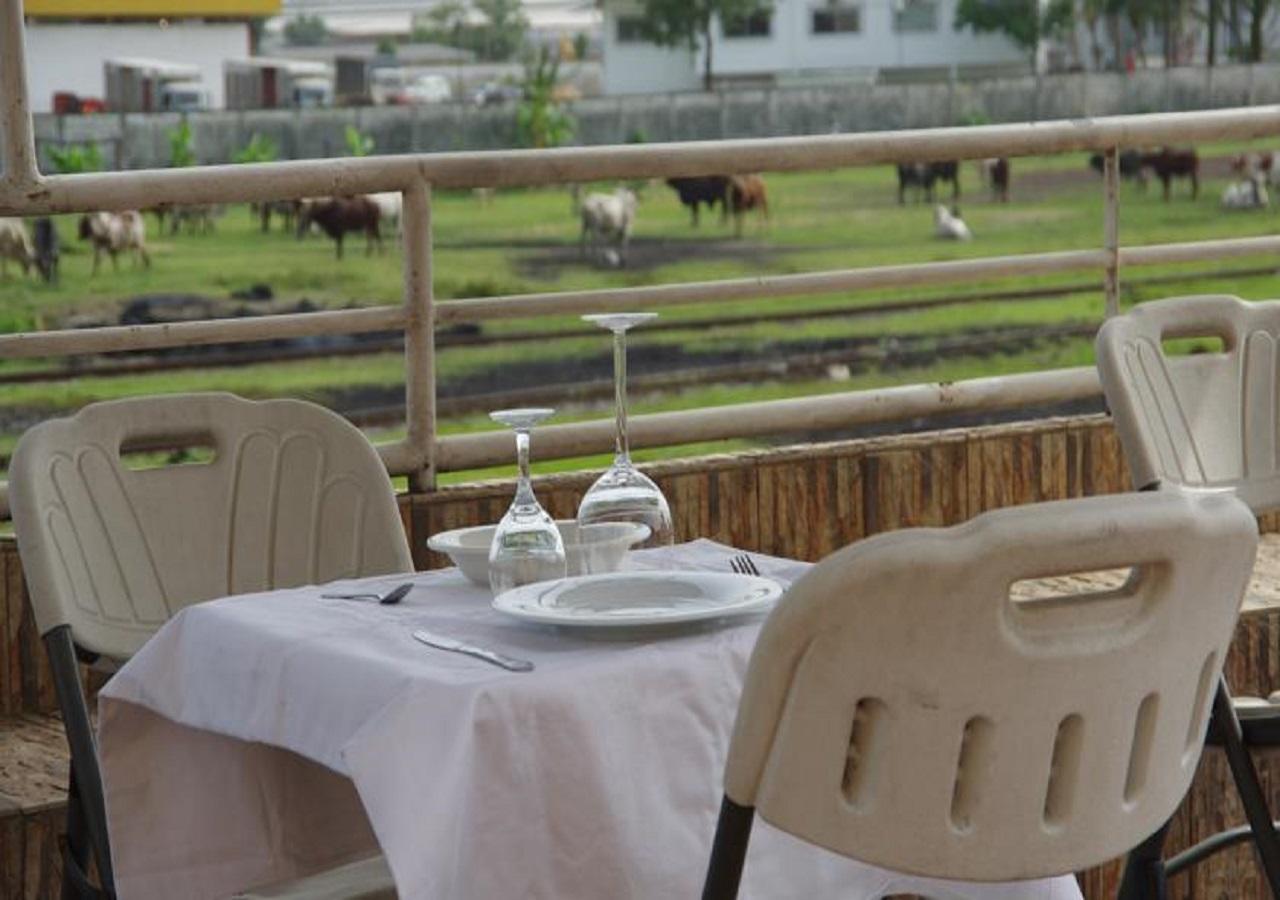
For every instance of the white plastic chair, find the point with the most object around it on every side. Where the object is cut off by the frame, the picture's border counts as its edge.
(1205, 420)
(294, 494)
(901, 709)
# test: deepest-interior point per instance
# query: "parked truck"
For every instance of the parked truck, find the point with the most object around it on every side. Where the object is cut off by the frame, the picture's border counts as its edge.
(263, 83)
(153, 85)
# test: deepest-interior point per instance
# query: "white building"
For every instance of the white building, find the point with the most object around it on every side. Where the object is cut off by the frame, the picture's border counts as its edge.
(69, 41)
(804, 40)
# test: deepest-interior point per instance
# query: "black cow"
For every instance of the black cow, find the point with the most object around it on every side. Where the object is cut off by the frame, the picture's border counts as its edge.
(48, 250)
(708, 189)
(923, 176)
(1130, 166)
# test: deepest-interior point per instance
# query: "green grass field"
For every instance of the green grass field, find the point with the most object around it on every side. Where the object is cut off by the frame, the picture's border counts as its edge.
(524, 241)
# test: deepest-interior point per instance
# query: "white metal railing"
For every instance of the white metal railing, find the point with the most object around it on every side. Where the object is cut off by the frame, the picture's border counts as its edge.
(422, 453)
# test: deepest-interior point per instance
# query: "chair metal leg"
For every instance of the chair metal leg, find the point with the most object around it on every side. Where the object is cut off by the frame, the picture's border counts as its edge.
(1265, 838)
(86, 795)
(1144, 870)
(728, 851)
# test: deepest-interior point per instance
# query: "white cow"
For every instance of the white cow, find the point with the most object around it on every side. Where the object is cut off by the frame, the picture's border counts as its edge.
(606, 224)
(15, 244)
(113, 233)
(1249, 193)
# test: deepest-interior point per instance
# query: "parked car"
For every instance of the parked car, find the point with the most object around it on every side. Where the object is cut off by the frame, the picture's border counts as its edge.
(495, 93)
(399, 86)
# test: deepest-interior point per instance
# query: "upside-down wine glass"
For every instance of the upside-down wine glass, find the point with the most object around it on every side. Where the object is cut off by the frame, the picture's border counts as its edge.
(527, 546)
(624, 493)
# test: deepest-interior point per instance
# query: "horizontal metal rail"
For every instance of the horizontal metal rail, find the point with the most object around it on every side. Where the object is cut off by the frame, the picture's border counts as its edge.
(743, 420)
(523, 168)
(393, 318)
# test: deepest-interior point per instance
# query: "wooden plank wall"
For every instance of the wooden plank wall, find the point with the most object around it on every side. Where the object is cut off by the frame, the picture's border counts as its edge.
(805, 502)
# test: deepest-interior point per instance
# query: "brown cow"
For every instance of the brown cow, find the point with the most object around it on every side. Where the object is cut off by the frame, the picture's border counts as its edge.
(1172, 163)
(338, 215)
(746, 192)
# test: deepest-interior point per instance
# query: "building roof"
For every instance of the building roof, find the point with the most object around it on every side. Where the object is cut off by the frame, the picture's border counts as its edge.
(293, 66)
(406, 54)
(162, 68)
(151, 9)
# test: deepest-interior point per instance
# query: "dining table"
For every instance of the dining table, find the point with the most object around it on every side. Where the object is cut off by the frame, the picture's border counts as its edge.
(265, 736)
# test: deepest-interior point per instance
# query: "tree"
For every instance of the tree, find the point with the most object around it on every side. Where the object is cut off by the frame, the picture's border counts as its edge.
(305, 31)
(687, 23)
(498, 35)
(1024, 22)
(540, 119)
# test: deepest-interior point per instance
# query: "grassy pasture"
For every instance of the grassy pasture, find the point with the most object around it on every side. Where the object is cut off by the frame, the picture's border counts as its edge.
(524, 241)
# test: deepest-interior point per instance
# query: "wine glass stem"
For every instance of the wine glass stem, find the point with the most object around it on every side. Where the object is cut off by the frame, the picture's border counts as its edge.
(524, 490)
(621, 447)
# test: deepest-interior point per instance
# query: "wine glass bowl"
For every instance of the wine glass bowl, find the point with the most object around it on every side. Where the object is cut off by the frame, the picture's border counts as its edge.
(624, 493)
(527, 545)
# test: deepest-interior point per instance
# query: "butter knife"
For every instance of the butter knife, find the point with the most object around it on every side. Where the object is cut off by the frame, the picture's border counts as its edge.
(442, 642)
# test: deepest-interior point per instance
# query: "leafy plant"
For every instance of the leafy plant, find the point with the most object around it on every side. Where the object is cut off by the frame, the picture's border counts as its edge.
(76, 158)
(540, 119)
(387, 46)
(259, 149)
(358, 143)
(181, 151)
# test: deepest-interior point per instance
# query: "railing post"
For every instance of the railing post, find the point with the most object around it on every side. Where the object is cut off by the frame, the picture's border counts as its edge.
(419, 335)
(19, 159)
(1111, 229)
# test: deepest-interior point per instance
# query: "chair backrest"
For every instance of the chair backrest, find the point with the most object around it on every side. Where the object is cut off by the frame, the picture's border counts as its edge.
(294, 494)
(1204, 419)
(900, 708)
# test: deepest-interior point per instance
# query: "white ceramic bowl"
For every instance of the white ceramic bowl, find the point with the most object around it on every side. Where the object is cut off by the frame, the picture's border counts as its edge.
(598, 548)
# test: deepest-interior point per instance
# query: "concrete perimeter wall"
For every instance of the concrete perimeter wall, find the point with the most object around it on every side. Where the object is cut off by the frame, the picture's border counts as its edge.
(138, 141)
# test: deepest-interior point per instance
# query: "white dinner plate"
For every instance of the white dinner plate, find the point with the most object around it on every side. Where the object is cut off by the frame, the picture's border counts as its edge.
(640, 598)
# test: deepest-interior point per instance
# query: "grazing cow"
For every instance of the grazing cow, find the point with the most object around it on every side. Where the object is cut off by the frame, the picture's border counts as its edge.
(1130, 166)
(15, 245)
(114, 232)
(338, 215)
(708, 189)
(1264, 164)
(995, 174)
(948, 225)
(198, 218)
(1171, 163)
(1248, 193)
(287, 210)
(914, 175)
(48, 249)
(923, 176)
(606, 225)
(746, 192)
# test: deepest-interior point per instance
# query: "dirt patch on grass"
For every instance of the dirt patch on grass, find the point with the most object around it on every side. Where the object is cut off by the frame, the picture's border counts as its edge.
(644, 254)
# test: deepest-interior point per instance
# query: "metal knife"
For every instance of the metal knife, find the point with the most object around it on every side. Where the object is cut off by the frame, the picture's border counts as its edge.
(442, 642)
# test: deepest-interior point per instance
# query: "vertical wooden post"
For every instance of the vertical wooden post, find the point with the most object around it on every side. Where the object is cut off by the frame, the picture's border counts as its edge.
(1111, 231)
(419, 335)
(19, 160)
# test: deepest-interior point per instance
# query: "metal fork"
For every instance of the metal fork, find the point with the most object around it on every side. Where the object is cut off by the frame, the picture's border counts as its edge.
(391, 597)
(743, 565)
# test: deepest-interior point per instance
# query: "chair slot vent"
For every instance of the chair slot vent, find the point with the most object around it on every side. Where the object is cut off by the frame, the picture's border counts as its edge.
(1064, 771)
(1200, 709)
(971, 770)
(1144, 732)
(865, 742)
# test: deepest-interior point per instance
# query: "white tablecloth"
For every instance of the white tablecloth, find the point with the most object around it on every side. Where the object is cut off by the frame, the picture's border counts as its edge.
(257, 737)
